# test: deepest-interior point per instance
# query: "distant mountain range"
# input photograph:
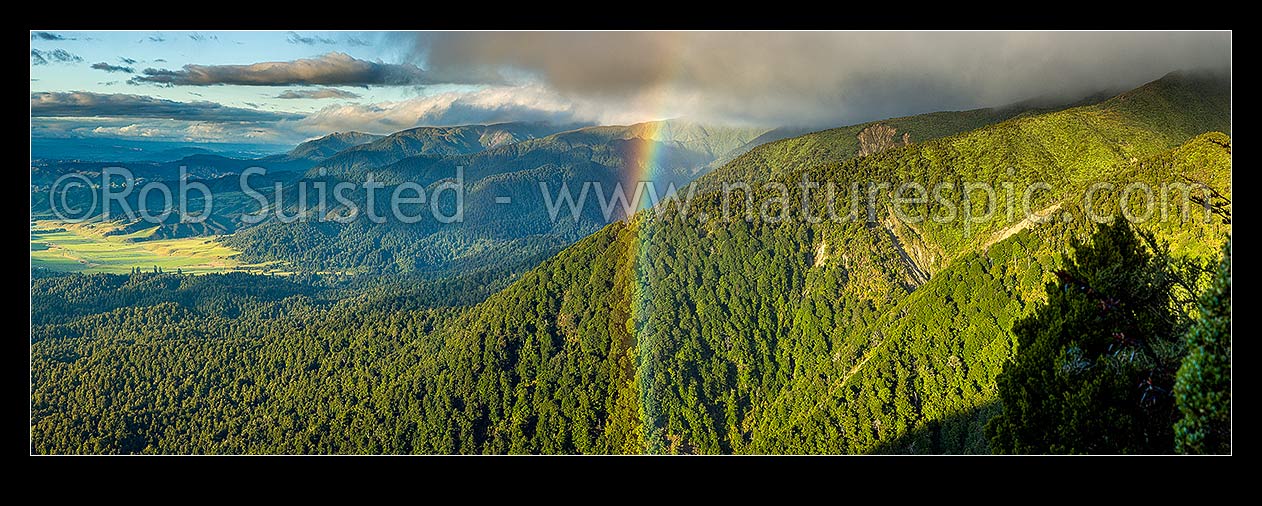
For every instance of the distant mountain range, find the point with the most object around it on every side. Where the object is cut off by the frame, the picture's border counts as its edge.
(497, 162)
(503, 166)
(656, 333)
(146, 150)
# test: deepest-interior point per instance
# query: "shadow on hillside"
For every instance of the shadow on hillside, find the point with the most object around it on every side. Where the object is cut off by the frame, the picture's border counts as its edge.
(961, 433)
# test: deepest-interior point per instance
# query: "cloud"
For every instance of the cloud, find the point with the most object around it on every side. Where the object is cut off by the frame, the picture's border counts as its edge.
(49, 36)
(206, 131)
(317, 94)
(312, 40)
(197, 37)
(767, 78)
(82, 104)
(489, 105)
(819, 77)
(295, 38)
(157, 37)
(149, 129)
(86, 115)
(39, 57)
(332, 69)
(112, 68)
(130, 130)
(126, 60)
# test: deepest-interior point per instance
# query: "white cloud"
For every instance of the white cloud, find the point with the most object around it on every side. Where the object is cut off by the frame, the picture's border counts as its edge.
(132, 130)
(488, 105)
(162, 129)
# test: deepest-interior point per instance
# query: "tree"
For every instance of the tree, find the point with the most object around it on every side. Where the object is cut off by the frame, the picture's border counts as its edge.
(1203, 387)
(1095, 363)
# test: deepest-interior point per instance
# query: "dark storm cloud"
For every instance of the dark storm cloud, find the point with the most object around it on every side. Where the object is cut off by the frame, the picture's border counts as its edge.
(112, 68)
(317, 94)
(332, 69)
(824, 77)
(39, 57)
(87, 104)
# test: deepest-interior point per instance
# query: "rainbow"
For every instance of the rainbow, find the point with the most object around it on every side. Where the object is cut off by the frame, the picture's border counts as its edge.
(642, 165)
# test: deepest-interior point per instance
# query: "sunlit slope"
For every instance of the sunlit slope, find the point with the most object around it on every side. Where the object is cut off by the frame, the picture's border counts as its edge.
(833, 337)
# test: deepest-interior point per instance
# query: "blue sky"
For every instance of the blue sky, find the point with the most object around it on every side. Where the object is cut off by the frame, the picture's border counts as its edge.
(127, 54)
(231, 86)
(175, 49)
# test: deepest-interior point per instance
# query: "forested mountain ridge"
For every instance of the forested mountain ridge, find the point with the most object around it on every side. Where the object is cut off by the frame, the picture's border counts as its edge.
(661, 333)
(209, 165)
(800, 338)
(435, 141)
(329, 145)
(496, 161)
(789, 150)
(940, 348)
(604, 155)
(490, 228)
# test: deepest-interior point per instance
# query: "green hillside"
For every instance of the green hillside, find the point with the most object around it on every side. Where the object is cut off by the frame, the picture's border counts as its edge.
(492, 231)
(788, 337)
(664, 332)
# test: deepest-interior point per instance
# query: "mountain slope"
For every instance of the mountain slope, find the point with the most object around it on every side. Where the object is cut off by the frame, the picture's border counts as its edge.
(660, 333)
(786, 152)
(601, 158)
(492, 231)
(203, 164)
(942, 346)
(329, 145)
(436, 141)
(797, 337)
